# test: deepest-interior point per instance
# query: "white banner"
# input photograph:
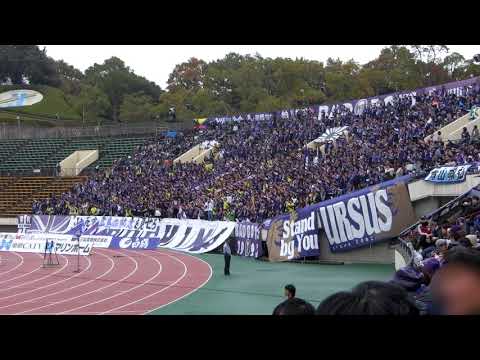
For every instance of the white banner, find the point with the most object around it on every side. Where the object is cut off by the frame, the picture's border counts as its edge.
(62, 244)
(48, 237)
(192, 236)
(6, 240)
(31, 246)
(97, 241)
(72, 248)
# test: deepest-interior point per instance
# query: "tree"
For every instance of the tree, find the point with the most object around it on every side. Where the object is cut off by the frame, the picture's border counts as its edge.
(136, 107)
(340, 80)
(68, 72)
(117, 80)
(429, 53)
(395, 69)
(180, 100)
(70, 78)
(27, 63)
(188, 75)
(471, 69)
(454, 64)
(91, 102)
(204, 103)
(429, 63)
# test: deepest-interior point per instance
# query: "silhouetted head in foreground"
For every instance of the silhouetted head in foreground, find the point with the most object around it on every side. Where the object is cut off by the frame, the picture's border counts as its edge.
(369, 298)
(456, 285)
(295, 306)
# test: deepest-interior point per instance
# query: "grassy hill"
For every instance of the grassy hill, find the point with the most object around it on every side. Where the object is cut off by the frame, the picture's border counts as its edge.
(43, 113)
(55, 102)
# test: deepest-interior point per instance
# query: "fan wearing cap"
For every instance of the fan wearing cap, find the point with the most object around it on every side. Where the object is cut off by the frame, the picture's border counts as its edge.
(471, 241)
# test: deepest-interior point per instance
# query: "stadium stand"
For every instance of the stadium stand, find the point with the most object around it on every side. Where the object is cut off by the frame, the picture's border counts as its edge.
(30, 155)
(262, 169)
(17, 193)
(27, 162)
(23, 156)
(116, 148)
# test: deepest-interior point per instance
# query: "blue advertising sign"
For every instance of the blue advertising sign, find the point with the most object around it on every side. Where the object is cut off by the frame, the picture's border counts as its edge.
(134, 243)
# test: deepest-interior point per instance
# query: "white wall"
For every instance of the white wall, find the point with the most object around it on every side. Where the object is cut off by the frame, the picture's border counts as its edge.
(422, 189)
(73, 164)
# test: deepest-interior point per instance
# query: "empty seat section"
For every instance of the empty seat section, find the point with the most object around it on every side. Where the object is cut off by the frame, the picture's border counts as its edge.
(17, 196)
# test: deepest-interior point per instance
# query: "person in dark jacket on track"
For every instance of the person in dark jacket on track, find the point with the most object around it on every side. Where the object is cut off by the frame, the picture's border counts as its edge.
(227, 252)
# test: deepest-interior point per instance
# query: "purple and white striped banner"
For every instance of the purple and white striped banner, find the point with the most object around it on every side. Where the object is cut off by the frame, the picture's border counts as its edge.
(192, 236)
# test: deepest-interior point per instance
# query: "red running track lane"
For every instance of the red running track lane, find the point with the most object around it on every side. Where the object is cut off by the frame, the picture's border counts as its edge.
(9, 262)
(110, 282)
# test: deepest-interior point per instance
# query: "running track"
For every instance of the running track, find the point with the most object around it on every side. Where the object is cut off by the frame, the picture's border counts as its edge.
(109, 282)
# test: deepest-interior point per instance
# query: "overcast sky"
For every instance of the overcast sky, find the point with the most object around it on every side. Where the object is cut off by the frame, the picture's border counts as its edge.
(156, 62)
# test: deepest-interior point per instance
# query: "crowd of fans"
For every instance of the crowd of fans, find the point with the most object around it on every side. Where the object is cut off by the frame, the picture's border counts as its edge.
(445, 283)
(433, 242)
(449, 285)
(261, 169)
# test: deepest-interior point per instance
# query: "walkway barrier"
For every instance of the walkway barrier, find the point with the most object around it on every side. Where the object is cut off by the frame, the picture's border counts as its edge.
(76, 162)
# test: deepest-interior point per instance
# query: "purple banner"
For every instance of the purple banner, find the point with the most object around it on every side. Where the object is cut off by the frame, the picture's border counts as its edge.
(192, 236)
(247, 240)
(350, 221)
(357, 106)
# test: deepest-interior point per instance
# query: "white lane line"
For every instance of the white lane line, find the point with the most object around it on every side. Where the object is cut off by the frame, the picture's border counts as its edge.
(90, 292)
(191, 292)
(135, 312)
(18, 265)
(140, 285)
(43, 287)
(18, 277)
(69, 288)
(43, 277)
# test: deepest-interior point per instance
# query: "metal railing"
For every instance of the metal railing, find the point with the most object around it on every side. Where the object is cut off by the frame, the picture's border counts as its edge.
(121, 129)
(49, 171)
(406, 250)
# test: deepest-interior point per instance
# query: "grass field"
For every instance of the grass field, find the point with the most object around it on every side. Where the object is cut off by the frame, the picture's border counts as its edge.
(256, 287)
